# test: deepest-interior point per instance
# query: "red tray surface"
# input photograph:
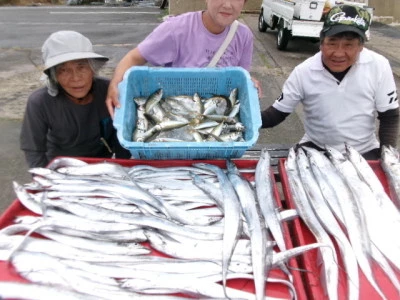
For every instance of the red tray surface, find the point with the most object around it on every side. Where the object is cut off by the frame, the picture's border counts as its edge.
(7, 272)
(309, 260)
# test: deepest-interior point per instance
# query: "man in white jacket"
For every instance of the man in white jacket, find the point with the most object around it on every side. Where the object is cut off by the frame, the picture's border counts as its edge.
(343, 89)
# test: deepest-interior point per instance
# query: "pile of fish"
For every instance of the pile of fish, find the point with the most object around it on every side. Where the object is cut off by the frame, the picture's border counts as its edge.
(103, 222)
(188, 118)
(342, 201)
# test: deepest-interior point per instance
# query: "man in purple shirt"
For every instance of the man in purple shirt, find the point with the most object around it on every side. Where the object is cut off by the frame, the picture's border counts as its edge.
(190, 40)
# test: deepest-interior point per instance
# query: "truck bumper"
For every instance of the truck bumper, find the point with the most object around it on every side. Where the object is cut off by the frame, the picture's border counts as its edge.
(306, 28)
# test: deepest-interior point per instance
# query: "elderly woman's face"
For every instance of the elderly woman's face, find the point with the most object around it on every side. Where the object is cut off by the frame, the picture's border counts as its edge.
(75, 77)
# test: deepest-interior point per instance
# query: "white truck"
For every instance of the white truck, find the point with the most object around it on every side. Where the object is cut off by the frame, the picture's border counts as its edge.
(296, 18)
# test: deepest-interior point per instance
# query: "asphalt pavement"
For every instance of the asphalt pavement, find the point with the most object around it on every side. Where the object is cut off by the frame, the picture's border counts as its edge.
(24, 63)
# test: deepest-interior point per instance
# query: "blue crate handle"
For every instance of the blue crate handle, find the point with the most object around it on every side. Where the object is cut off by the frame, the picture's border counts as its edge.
(255, 110)
(118, 112)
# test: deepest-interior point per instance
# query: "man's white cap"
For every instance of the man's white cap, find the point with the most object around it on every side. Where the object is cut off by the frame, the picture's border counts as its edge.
(63, 46)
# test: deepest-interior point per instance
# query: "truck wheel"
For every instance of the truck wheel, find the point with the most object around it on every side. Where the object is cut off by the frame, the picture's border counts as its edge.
(262, 26)
(283, 38)
(164, 4)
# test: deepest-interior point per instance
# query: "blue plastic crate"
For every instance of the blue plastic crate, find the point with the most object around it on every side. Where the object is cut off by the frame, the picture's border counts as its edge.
(143, 81)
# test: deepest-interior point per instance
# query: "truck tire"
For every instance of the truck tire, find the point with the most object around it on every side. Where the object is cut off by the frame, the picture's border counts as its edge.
(262, 25)
(283, 37)
(164, 4)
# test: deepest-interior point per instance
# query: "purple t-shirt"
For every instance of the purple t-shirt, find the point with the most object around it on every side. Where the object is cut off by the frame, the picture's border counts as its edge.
(183, 41)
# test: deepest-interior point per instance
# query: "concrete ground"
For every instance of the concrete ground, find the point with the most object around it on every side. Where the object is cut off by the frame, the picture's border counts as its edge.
(19, 76)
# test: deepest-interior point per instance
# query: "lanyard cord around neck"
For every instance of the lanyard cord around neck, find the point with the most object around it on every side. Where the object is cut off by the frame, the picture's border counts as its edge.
(228, 39)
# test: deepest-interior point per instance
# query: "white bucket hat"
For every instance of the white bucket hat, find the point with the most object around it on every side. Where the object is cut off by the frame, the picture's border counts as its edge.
(63, 46)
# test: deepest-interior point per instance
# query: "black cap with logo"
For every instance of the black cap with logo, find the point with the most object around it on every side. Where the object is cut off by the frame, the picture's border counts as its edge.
(345, 18)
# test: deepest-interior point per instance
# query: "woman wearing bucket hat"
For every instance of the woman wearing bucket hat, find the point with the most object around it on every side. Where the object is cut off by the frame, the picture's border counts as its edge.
(342, 88)
(69, 116)
(191, 40)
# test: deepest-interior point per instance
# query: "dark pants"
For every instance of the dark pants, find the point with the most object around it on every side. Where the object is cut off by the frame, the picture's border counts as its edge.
(373, 154)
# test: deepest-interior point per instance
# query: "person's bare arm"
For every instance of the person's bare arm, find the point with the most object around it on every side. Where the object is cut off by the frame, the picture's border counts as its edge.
(132, 58)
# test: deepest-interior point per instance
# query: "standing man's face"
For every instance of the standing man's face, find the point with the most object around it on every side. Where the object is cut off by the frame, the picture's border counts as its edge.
(339, 53)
